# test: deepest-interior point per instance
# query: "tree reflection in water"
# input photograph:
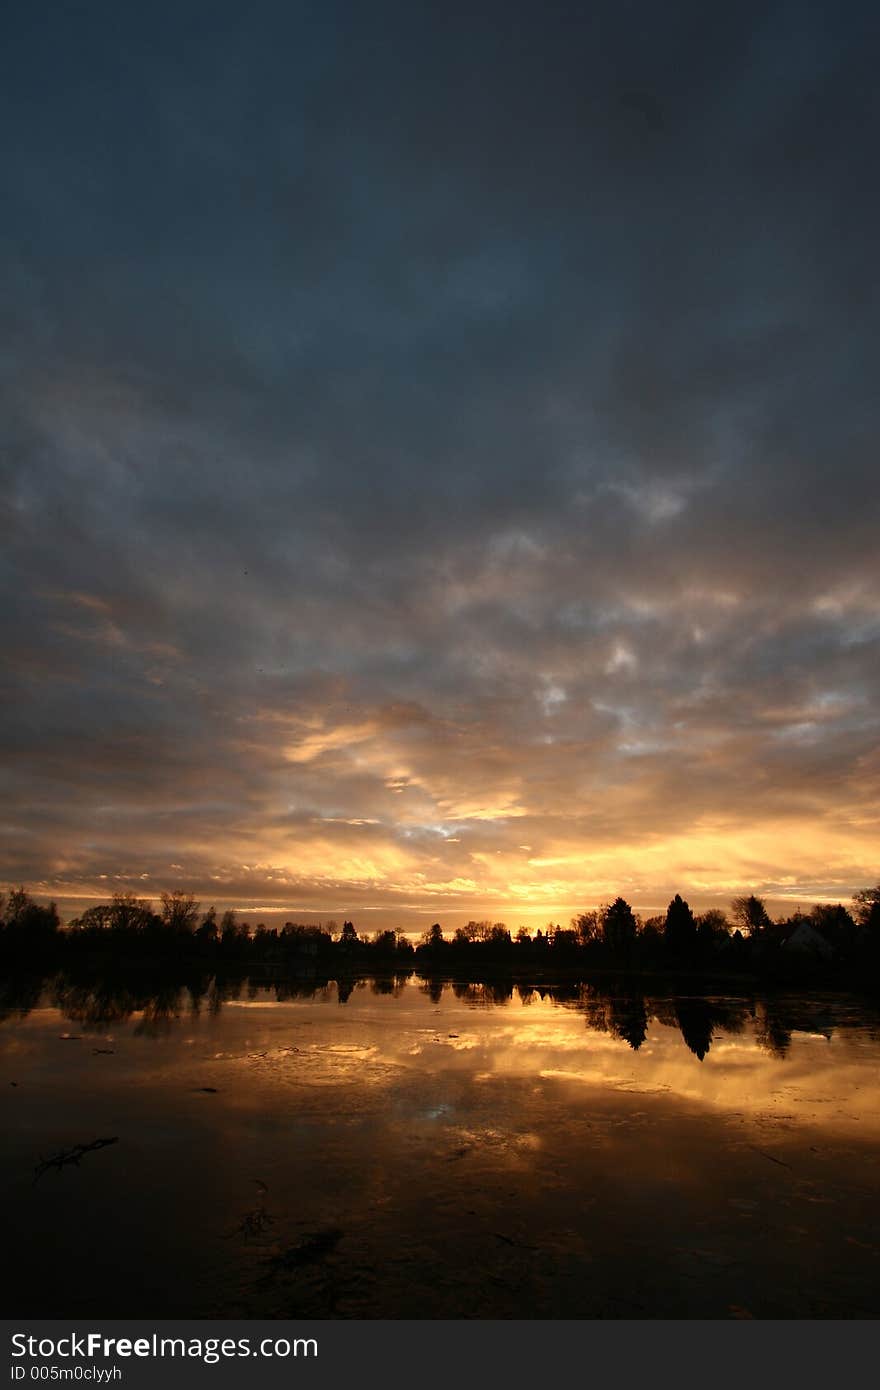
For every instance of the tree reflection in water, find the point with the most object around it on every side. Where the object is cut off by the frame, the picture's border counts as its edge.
(156, 1003)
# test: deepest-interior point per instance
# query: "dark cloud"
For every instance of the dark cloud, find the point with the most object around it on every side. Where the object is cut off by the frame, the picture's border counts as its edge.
(438, 452)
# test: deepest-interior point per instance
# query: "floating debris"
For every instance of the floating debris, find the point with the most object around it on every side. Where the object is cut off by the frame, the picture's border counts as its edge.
(772, 1159)
(68, 1156)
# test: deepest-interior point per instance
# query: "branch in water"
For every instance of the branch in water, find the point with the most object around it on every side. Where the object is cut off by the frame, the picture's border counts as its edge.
(60, 1160)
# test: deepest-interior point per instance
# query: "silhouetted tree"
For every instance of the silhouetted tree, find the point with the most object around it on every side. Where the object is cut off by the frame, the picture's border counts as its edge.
(476, 931)
(180, 911)
(129, 913)
(619, 926)
(680, 929)
(587, 927)
(208, 930)
(835, 924)
(867, 909)
(651, 939)
(94, 919)
(713, 922)
(750, 914)
(16, 903)
(28, 925)
(497, 944)
(565, 944)
(713, 928)
(228, 926)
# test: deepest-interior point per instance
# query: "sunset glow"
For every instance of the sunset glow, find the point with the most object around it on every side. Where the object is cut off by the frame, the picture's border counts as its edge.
(415, 513)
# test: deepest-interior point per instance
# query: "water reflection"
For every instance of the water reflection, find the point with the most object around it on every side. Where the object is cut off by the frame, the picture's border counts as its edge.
(155, 1005)
(413, 1147)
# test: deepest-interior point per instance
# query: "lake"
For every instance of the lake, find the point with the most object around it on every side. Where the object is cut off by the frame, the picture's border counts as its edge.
(406, 1150)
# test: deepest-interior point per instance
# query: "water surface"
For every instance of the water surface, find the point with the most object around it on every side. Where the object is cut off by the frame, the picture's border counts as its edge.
(394, 1149)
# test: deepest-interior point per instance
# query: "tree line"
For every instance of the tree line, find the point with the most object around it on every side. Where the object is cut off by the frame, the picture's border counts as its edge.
(615, 935)
(612, 936)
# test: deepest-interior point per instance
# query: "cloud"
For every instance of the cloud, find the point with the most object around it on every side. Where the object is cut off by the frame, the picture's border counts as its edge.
(447, 439)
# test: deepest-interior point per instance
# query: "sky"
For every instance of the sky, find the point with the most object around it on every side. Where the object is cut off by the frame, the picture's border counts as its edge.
(438, 455)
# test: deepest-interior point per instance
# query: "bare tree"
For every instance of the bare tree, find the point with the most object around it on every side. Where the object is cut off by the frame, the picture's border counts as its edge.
(750, 914)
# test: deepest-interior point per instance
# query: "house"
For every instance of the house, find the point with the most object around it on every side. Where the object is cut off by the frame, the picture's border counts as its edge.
(805, 939)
